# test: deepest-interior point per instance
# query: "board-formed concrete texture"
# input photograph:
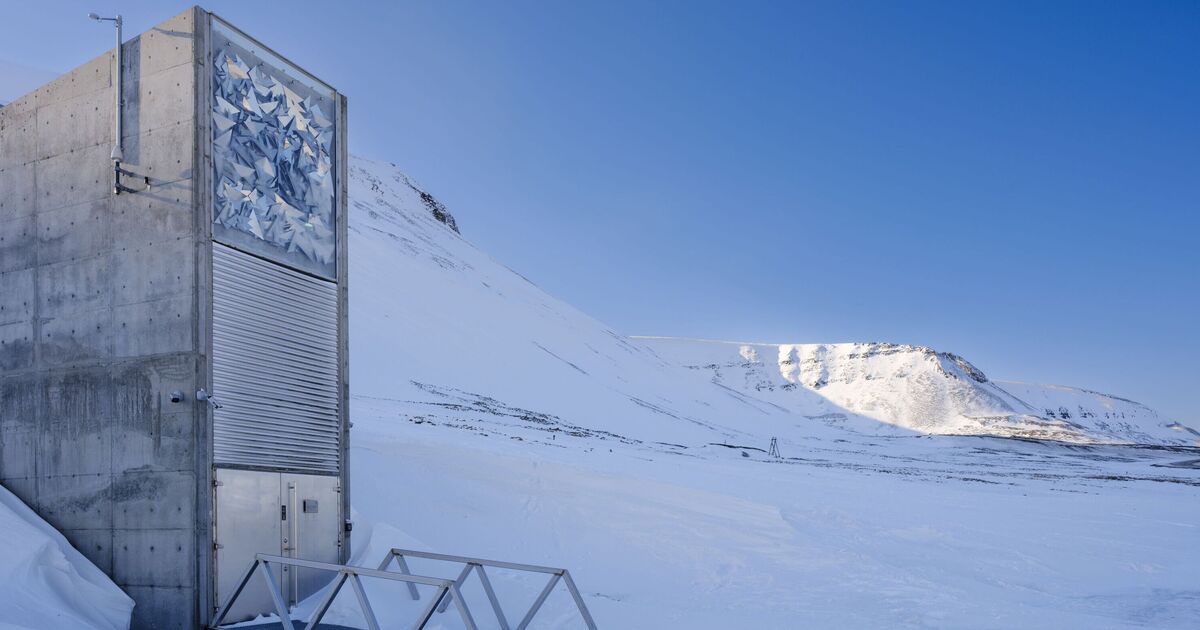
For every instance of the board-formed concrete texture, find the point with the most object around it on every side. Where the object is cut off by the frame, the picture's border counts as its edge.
(105, 307)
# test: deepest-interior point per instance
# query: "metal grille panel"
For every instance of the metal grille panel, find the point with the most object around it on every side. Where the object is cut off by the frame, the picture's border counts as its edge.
(275, 366)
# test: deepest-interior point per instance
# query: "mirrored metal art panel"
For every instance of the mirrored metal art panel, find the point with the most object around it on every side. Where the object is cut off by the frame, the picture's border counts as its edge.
(273, 147)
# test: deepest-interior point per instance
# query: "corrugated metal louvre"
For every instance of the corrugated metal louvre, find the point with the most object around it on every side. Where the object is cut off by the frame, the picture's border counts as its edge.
(275, 366)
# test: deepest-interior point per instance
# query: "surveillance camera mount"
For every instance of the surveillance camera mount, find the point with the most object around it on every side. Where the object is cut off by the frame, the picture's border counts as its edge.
(119, 188)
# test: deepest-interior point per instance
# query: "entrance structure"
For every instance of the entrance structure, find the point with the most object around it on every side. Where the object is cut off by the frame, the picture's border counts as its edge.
(173, 392)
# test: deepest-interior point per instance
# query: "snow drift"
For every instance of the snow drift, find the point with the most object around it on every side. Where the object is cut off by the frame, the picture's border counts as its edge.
(46, 583)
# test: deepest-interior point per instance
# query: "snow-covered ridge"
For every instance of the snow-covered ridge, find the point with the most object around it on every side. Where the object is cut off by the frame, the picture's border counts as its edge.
(441, 325)
(919, 388)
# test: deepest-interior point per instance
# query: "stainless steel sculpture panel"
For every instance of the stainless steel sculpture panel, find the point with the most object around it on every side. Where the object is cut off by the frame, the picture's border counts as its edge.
(273, 146)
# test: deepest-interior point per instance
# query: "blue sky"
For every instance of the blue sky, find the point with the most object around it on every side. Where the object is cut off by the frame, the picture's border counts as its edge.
(1015, 182)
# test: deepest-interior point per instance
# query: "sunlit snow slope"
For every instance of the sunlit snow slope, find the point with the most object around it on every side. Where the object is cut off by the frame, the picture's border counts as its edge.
(437, 323)
(492, 420)
(921, 389)
(442, 326)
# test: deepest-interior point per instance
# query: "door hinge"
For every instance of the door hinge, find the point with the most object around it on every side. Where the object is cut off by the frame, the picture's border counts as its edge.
(283, 512)
(218, 546)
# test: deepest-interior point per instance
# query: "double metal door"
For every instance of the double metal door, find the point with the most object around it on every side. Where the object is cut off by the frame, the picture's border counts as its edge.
(278, 513)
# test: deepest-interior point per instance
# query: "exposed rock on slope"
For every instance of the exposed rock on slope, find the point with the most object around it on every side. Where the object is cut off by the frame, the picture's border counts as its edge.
(921, 389)
(436, 208)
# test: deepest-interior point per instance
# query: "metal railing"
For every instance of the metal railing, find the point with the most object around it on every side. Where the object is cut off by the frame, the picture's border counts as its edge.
(447, 590)
(477, 565)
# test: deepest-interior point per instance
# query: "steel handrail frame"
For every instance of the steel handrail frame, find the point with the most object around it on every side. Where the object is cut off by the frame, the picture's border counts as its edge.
(352, 574)
(476, 565)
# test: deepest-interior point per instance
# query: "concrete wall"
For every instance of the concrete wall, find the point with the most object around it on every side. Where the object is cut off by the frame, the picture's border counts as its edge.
(99, 321)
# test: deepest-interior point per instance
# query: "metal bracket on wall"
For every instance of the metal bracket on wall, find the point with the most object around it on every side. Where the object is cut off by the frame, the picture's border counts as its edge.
(202, 395)
(119, 188)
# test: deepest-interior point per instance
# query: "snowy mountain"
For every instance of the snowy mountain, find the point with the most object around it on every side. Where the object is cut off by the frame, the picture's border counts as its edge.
(492, 419)
(472, 334)
(439, 324)
(918, 388)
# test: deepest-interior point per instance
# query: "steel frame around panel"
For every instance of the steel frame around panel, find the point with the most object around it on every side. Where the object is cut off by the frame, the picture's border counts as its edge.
(206, 534)
(226, 24)
(202, 199)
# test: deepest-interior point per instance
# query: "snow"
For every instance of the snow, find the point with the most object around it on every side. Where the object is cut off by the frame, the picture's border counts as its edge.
(917, 388)
(491, 419)
(46, 583)
(912, 532)
(437, 321)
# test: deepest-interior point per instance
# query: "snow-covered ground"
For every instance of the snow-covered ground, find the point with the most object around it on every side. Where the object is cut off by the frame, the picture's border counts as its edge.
(492, 419)
(917, 532)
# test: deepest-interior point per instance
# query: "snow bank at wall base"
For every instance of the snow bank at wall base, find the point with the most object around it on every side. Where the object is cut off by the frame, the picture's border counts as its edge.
(45, 583)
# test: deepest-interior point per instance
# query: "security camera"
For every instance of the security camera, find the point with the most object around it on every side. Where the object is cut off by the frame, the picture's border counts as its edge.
(176, 396)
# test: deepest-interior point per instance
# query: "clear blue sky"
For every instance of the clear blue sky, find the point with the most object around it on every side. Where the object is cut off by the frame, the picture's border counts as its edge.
(1015, 182)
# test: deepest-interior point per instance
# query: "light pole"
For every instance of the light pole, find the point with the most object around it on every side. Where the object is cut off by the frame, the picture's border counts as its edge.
(117, 154)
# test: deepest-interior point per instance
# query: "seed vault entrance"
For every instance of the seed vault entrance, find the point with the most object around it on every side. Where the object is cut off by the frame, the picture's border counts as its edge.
(284, 514)
(173, 338)
(278, 319)
(276, 423)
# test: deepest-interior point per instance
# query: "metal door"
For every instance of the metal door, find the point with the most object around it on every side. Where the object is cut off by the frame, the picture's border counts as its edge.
(247, 523)
(275, 513)
(312, 530)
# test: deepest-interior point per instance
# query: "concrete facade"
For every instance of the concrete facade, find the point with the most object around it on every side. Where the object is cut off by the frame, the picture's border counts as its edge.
(104, 308)
(98, 320)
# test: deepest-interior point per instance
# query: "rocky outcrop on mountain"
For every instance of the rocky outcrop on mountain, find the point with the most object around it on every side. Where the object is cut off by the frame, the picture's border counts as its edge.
(919, 388)
(383, 181)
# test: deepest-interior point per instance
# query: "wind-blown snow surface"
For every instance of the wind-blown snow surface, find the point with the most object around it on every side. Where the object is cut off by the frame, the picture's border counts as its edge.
(492, 419)
(45, 583)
